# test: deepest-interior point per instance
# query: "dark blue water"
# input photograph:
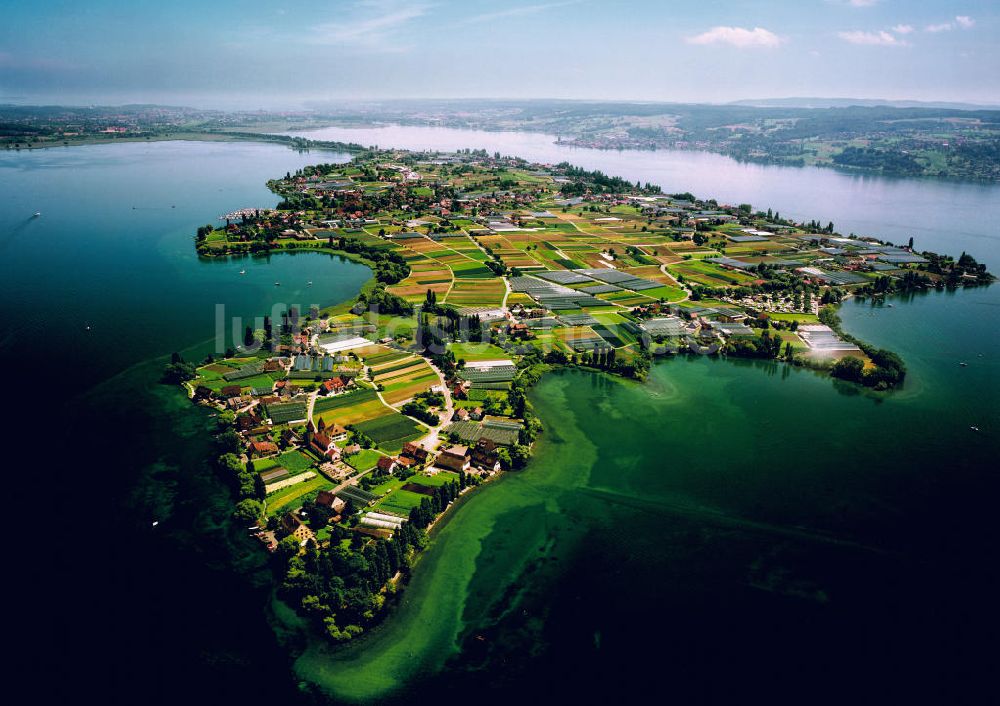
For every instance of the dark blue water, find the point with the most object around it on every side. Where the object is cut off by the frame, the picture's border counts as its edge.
(93, 294)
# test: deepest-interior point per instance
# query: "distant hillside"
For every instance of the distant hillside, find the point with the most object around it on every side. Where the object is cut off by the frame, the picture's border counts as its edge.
(847, 102)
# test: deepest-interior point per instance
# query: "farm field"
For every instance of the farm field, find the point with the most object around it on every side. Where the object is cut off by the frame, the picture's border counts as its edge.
(351, 407)
(364, 460)
(486, 292)
(287, 498)
(474, 352)
(391, 431)
(708, 274)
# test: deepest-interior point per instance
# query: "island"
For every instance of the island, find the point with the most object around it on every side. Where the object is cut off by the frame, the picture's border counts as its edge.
(348, 431)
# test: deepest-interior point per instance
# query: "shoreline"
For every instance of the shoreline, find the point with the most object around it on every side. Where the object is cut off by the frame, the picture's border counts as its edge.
(195, 136)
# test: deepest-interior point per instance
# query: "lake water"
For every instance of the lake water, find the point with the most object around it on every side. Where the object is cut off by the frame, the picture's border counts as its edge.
(725, 529)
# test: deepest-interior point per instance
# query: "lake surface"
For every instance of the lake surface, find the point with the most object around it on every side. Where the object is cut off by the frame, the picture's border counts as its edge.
(725, 529)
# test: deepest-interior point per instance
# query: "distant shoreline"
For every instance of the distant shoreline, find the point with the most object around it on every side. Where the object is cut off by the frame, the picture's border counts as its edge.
(193, 136)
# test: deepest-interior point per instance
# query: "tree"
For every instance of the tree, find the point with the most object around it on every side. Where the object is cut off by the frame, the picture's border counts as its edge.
(248, 510)
(849, 368)
(229, 442)
(177, 372)
(519, 455)
(288, 548)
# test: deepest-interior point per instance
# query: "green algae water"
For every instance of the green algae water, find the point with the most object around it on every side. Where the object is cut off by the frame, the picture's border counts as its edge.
(727, 530)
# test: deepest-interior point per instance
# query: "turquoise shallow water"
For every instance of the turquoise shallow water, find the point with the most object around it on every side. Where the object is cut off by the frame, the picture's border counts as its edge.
(726, 526)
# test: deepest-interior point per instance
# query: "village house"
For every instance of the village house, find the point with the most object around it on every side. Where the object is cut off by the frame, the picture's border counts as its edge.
(335, 385)
(455, 458)
(485, 455)
(327, 498)
(386, 464)
(334, 431)
(288, 438)
(263, 448)
(295, 528)
(416, 452)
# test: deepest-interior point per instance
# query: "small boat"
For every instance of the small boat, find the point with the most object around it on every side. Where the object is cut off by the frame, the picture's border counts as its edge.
(37, 214)
(243, 272)
(974, 428)
(964, 365)
(890, 305)
(277, 284)
(309, 284)
(155, 523)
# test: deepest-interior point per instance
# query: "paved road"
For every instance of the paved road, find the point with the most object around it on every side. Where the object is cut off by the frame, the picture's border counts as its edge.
(434, 435)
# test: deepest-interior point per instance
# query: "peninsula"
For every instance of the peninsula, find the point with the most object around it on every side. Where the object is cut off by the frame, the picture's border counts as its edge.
(348, 430)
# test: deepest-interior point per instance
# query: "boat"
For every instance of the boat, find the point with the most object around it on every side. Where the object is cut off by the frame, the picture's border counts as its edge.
(974, 428)
(309, 284)
(37, 214)
(243, 272)
(277, 284)
(155, 523)
(964, 365)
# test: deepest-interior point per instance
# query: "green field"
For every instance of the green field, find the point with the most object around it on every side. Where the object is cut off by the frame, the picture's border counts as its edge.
(391, 431)
(364, 460)
(283, 499)
(477, 351)
(294, 461)
(399, 502)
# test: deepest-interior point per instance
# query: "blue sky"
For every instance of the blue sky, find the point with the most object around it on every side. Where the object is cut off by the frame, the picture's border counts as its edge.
(248, 53)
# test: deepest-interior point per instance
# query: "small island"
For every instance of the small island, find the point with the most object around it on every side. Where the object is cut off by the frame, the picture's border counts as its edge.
(348, 431)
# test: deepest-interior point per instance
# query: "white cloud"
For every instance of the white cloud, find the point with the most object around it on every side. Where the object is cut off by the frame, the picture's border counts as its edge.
(861, 3)
(961, 22)
(372, 25)
(902, 29)
(879, 39)
(758, 37)
(515, 12)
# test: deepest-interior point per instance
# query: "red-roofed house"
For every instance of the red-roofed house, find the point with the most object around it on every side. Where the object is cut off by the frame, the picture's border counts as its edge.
(417, 453)
(263, 448)
(332, 387)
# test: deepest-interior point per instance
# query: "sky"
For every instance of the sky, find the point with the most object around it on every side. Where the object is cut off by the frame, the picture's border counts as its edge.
(282, 55)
